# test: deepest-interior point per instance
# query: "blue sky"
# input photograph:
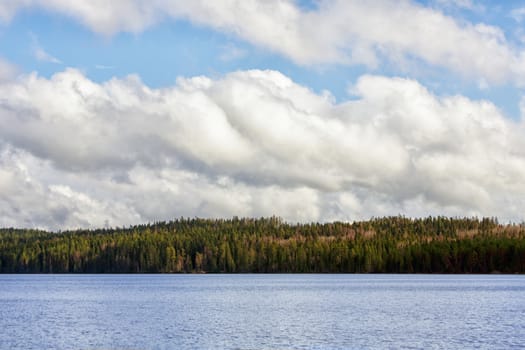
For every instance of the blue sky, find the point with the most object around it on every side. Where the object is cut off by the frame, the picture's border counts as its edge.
(173, 48)
(159, 55)
(395, 76)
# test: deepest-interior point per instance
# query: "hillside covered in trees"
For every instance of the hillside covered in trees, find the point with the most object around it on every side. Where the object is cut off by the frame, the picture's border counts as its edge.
(387, 245)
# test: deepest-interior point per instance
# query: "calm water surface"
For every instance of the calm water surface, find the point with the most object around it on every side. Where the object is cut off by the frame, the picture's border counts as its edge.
(261, 312)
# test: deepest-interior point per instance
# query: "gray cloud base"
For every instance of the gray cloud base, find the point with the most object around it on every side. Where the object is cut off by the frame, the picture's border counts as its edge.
(75, 153)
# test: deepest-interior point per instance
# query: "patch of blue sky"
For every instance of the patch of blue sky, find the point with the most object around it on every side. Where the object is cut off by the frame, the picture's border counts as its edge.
(488, 12)
(158, 55)
(173, 49)
(59, 36)
(307, 5)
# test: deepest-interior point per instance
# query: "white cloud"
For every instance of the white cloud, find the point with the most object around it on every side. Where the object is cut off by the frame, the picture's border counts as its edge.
(29, 200)
(337, 31)
(231, 52)
(103, 67)
(42, 55)
(105, 17)
(461, 4)
(39, 52)
(356, 32)
(518, 14)
(77, 153)
(483, 85)
(8, 8)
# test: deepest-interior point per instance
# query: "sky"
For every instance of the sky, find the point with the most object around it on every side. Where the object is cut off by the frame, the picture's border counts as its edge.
(133, 111)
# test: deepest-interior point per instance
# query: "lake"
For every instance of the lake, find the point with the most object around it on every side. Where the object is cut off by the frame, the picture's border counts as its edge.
(262, 311)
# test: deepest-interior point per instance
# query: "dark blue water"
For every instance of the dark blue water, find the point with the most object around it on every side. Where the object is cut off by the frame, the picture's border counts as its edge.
(261, 312)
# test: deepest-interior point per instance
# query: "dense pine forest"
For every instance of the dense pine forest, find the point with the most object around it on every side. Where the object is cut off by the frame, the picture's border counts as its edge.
(382, 245)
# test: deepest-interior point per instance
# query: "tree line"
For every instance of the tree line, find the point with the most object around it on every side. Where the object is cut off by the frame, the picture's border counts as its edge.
(270, 245)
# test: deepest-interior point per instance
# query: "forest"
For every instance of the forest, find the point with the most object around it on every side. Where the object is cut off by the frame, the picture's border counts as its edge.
(270, 245)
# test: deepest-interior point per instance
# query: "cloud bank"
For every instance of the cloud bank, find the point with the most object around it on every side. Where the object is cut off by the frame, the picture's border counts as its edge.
(347, 32)
(75, 153)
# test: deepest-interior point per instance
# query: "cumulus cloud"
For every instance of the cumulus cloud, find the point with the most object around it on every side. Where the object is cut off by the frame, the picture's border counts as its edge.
(75, 153)
(30, 199)
(345, 32)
